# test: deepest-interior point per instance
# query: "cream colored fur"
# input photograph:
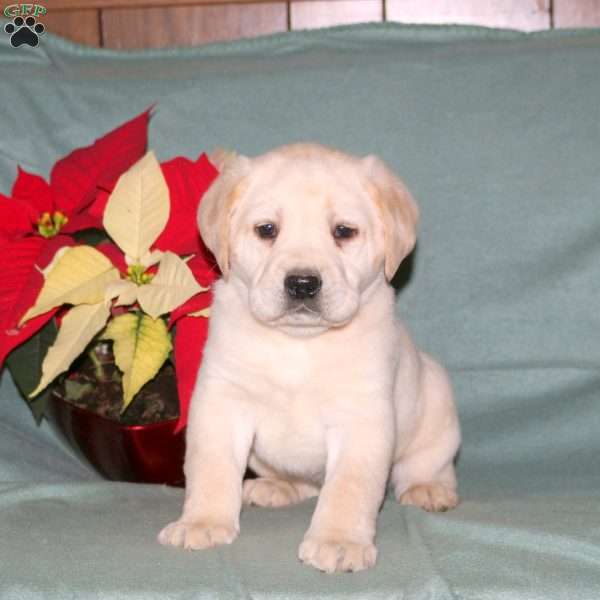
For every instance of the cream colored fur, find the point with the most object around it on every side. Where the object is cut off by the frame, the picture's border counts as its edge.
(333, 401)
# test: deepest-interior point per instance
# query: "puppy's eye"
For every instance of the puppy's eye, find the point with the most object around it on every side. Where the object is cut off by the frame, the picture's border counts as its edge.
(343, 232)
(266, 231)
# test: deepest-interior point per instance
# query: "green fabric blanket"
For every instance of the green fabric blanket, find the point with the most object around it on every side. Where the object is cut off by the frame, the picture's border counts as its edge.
(498, 135)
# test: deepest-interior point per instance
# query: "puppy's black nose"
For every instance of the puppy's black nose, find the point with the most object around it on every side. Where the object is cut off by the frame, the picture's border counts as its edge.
(300, 286)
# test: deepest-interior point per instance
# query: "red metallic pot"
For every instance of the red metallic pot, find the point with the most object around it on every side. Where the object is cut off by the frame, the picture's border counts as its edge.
(135, 453)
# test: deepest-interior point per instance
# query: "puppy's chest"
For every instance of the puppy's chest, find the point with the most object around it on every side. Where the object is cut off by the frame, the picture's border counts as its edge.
(290, 423)
(291, 441)
(295, 393)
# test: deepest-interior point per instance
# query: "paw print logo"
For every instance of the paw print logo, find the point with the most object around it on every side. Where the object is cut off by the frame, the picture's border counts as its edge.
(24, 31)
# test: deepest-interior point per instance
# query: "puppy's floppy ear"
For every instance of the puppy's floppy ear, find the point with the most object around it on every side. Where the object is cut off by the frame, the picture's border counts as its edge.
(214, 214)
(398, 210)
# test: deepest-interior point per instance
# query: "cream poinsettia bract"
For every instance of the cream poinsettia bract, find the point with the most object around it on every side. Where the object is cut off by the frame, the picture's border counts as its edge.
(136, 213)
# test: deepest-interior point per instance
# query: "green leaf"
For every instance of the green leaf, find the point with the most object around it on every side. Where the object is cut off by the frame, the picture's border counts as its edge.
(25, 366)
(75, 390)
(91, 237)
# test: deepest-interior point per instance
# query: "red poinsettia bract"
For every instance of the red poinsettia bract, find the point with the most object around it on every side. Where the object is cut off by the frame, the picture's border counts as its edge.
(39, 216)
(191, 334)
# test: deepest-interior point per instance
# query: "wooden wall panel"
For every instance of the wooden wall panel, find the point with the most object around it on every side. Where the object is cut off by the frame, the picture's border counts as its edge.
(576, 13)
(132, 28)
(326, 13)
(528, 15)
(82, 26)
(72, 4)
(157, 23)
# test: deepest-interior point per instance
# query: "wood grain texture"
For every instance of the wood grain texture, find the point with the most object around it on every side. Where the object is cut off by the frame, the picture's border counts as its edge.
(59, 5)
(133, 28)
(576, 13)
(157, 23)
(527, 15)
(82, 26)
(326, 13)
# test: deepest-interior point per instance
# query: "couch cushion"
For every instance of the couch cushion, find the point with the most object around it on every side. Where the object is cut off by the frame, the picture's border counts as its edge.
(497, 133)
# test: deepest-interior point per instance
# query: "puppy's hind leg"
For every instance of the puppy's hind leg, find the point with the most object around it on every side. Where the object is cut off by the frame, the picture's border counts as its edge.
(273, 489)
(275, 492)
(424, 475)
(435, 496)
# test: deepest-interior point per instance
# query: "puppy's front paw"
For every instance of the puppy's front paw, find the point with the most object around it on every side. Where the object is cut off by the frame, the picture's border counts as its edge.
(197, 535)
(435, 497)
(330, 555)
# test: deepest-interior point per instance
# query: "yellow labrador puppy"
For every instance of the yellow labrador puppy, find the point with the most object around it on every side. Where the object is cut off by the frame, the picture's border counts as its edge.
(308, 376)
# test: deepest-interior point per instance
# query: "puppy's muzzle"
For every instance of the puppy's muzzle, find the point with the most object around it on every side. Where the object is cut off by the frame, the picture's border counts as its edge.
(302, 286)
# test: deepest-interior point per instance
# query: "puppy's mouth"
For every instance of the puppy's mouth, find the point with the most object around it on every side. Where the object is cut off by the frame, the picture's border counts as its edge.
(301, 315)
(306, 317)
(302, 309)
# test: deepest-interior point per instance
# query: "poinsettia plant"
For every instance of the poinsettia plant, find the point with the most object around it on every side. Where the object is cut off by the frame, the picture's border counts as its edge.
(108, 249)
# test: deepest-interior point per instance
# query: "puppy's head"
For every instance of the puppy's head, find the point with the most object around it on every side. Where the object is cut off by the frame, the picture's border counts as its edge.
(305, 230)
